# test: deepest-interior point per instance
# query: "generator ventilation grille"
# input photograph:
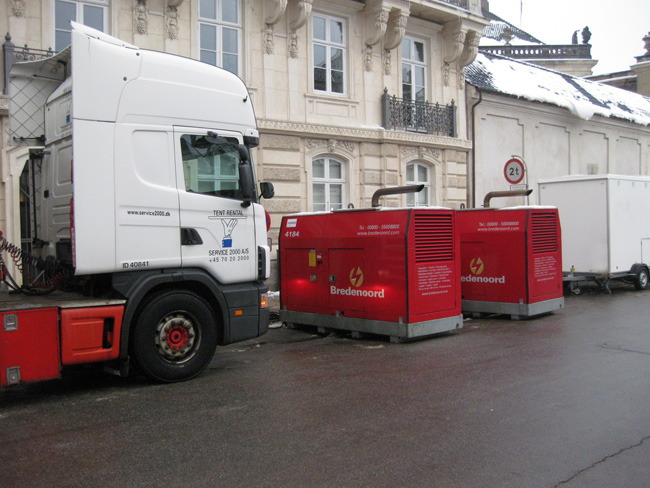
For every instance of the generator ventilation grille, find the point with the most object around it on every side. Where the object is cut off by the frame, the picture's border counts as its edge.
(544, 233)
(434, 237)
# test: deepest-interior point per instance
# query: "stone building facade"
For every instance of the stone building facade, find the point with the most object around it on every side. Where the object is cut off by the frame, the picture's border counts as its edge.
(351, 96)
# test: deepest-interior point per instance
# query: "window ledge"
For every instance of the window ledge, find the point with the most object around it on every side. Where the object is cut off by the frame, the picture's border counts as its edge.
(331, 98)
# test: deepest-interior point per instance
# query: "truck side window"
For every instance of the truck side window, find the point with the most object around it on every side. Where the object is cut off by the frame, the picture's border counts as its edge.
(211, 165)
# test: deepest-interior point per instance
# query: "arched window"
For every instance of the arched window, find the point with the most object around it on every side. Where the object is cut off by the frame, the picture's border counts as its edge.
(418, 174)
(328, 184)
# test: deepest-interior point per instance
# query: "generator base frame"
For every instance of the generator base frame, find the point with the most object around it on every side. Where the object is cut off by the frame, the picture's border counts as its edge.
(398, 332)
(515, 310)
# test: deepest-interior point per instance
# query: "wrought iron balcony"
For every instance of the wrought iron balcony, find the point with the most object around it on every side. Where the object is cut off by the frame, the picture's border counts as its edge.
(12, 54)
(457, 3)
(543, 51)
(424, 117)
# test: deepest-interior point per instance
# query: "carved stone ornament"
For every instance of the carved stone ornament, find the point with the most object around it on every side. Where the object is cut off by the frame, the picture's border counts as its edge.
(367, 58)
(461, 78)
(267, 36)
(470, 50)
(378, 27)
(17, 8)
(171, 23)
(275, 11)
(445, 74)
(454, 41)
(331, 144)
(141, 17)
(300, 13)
(396, 30)
(292, 44)
(387, 62)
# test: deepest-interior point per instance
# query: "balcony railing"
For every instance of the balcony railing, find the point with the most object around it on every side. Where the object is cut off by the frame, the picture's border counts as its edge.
(12, 54)
(424, 117)
(457, 3)
(563, 51)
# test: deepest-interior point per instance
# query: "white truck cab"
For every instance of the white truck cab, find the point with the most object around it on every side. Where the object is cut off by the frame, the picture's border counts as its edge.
(147, 193)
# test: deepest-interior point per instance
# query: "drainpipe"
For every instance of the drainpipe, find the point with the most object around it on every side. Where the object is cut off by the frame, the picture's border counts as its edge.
(473, 173)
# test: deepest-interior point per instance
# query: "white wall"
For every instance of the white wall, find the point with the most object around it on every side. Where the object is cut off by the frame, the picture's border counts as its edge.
(552, 141)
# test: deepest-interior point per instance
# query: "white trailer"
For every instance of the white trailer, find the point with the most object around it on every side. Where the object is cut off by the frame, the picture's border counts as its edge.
(605, 226)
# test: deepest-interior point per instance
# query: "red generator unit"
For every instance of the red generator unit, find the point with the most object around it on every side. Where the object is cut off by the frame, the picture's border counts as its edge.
(511, 261)
(380, 271)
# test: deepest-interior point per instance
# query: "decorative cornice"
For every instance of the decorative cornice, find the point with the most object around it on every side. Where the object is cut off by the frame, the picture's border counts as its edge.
(378, 135)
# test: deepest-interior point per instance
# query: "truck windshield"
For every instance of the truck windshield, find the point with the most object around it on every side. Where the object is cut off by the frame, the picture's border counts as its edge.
(211, 165)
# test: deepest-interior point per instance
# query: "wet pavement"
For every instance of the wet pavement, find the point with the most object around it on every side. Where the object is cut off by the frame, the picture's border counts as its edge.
(562, 400)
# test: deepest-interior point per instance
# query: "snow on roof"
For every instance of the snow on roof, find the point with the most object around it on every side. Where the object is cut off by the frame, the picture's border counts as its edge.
(497, 26)
(583, 98)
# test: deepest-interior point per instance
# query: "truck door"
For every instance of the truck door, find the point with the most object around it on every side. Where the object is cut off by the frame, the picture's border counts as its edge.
(217, 232)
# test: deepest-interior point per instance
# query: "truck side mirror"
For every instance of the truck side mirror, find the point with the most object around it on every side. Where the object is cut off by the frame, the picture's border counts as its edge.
(267, 190)
(246, 180)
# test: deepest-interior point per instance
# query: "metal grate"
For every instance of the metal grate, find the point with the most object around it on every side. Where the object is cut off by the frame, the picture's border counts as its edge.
(424, 117)
(544, 227)
(434, 237)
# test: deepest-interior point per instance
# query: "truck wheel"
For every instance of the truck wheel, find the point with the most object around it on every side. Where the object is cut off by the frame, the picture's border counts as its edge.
(642, 278)
(175, 336)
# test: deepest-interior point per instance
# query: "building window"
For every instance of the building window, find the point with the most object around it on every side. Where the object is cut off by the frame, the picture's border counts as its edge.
(418, 174)
(220, 33)
(414, 70)
(329, 54)
(88, 12)
(328, 180)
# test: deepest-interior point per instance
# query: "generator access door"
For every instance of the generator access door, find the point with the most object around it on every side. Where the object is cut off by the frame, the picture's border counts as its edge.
(347, 280)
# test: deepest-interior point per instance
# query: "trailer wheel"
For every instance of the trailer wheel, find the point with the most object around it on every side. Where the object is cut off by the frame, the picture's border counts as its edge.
(175, 336)
(642, 278)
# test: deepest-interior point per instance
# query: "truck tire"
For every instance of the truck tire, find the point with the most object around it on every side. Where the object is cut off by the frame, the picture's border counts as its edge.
(175, 336)
(642, 278)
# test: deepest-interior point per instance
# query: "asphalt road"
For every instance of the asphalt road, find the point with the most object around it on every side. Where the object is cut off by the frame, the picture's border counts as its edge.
(559, 401)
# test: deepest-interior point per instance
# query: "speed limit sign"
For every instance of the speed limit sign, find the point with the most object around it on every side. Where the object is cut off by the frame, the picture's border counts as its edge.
(514, 171)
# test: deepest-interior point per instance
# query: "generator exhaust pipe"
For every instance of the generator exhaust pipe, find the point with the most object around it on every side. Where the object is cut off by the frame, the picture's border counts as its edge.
(503, 194)
(394, 191)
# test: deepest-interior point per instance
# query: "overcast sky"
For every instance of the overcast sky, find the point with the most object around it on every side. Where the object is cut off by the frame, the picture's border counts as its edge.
(617, 27)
